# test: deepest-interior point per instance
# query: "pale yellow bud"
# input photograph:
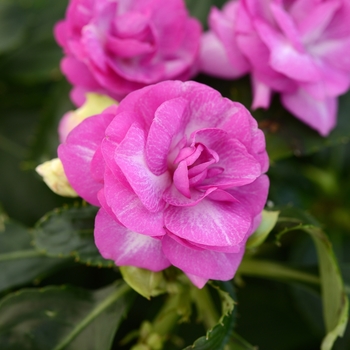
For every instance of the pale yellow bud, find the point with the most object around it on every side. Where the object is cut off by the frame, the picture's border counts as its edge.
(94, 104)
(53, 175)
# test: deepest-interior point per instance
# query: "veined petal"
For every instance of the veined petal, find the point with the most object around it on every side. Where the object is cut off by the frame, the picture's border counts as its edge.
(130, 157)
(77, 154)
(169, 120)
(209, 222)
(125, 247)
(319, 114)
(128, 208)
(206, 264)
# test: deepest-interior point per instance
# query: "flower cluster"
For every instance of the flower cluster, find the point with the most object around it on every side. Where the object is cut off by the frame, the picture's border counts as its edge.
(299, 48)
(178, 172)
(114, 47)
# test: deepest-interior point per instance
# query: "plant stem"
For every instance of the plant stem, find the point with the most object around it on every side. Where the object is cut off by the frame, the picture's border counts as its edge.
(261, 268)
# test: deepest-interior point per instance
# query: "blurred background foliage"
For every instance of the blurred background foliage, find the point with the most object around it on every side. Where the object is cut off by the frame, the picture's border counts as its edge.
(307, 171)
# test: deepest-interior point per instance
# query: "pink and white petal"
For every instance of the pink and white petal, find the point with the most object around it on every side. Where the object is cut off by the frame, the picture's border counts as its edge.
(319, 114)
(128, 208)
(127, 48)
(312, 27)
(334, 52)
(60, 34)
(77, 153)
(78, 73)
(125, 247)
(287, 25)
(206, 264)
(93, 46)
(130, 157)
(223, 24)
(214, 59)
(261, 94)
(209, 223)
(240, 167)
(286, 59)
(199, 282)
(150, 98)
(114, 134)
(252, 196)
(167, 127)
(173, 197)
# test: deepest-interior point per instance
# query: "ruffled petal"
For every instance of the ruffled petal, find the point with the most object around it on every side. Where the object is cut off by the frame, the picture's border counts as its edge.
(130, 157)
(319, 114)
(125, 247)
(209, 222)
(205, 264)
(128, 208)
(77, 154)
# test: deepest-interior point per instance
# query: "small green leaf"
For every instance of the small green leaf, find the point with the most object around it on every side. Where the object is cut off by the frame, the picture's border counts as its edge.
(68, 232)
(62, 318)
(145, 282)
(268, 222)
(20, 263)
(219, 335)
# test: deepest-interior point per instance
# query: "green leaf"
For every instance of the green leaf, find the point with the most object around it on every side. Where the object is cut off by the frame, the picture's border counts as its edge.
(68, 232)
(20, 263)
(219, 335)
(145, 282)
(238, 343)
(268, 222)
(62, 318)
(334, 299)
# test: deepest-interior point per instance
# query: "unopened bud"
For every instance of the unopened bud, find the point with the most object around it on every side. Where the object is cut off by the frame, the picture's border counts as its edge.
(53, 175)
(94, 104)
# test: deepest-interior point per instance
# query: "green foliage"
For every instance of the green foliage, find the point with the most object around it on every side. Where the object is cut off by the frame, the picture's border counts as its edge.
(218, 336)
(20, 262)
(62, 318)
(68, 232)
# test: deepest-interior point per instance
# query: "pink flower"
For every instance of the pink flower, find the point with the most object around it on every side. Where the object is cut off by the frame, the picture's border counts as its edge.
(299, 48)
(178, 172)
(114, 47)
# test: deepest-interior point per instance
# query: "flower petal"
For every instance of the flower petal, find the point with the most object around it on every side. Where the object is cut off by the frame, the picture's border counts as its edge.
(128, 208)
(125, 247)
(169, 120)
(209, 222)
(319, 114)
(206, 264)
(77, 154)
(130, 157)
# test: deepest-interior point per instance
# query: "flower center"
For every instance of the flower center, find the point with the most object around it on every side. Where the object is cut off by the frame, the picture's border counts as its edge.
(194, 164)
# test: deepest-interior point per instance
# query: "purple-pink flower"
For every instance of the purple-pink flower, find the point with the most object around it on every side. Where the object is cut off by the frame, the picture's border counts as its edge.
(114, 47)
(299, 48)
(178, 172)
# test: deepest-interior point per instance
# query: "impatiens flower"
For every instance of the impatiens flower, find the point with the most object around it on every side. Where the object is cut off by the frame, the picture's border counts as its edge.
(117, 46)
(299, 48)
(178, 172)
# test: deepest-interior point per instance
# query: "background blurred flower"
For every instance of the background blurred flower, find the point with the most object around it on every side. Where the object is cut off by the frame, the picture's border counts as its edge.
(300, 49)
(114, 47)
(178, 172)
